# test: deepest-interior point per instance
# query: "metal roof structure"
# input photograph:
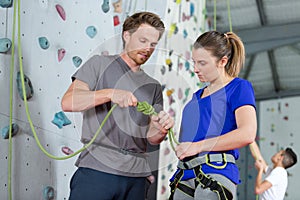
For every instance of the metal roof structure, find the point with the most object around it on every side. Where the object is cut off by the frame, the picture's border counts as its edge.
(270, 30)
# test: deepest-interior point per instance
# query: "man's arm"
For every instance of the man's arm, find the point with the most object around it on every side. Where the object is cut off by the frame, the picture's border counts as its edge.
(260, 185)
(79, 97)
(255, 151)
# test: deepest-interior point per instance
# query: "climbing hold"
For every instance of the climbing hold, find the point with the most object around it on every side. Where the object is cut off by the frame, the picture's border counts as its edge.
(6, 3)
(61, 53)
(105, 6)
(168, 61)
(91, 31)
(116, 20)
(180, 94)
(171, 112)
(192, 9)
(178, 1)
(67, 150)
(5, 45)
(61, 11)
(187, 55)
(60, 119)
(169, 92)
(163, 70)
(48, 193)
(187, 65)
(171, 100)
(172, 29)
(44, 43)
(118, 6)
(180, 65)
(185, 33)
(77, 61)
(27, 84)
(185, 17)
(14, 131)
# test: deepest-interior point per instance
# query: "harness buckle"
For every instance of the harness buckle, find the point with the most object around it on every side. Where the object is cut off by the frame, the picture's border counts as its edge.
(224, 160)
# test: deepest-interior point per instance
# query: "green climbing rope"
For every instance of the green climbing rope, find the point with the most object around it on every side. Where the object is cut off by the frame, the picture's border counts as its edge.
(215, 15)
(12, 64)
(229, 15)
(147, 109)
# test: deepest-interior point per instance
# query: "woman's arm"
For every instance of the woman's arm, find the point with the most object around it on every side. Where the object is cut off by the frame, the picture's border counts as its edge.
(240, 137)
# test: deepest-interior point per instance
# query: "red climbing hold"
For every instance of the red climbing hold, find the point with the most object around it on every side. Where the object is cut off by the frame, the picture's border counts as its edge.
(61, 11)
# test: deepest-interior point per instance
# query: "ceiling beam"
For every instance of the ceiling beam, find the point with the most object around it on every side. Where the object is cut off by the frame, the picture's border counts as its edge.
(249, 66)
(261, 12)
(274, 71)
(269, 37)
(277, 95)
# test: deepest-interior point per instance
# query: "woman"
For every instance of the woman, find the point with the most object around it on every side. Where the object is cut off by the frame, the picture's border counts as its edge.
(219, 119)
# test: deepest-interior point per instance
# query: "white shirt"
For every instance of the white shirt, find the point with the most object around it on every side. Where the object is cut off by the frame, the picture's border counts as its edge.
(279, 179)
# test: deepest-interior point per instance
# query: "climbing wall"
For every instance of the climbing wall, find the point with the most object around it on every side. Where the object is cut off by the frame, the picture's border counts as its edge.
(185, 22)
(56, 38)
(279, 128)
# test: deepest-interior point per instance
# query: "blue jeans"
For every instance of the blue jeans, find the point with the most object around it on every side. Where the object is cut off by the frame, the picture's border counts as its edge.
(89, 184)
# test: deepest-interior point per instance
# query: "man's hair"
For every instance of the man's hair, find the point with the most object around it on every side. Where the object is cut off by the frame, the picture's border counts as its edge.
(289, 158)
(133, 22)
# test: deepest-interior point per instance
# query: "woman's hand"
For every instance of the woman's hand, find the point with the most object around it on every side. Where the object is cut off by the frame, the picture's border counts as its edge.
(187, 149)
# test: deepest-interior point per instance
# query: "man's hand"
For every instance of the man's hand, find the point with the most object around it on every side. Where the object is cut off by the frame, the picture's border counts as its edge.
(163, 122)
(123, 98)
(259, 165)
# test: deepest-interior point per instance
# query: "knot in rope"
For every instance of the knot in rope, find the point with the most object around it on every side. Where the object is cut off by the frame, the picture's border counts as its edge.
(146, 108)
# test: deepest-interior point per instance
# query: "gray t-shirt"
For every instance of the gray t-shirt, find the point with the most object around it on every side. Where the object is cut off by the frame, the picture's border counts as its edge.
(126, 128)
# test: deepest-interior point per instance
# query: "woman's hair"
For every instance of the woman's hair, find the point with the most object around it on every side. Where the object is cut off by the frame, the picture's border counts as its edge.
(133, 22)
(224, 44)
(289, 158)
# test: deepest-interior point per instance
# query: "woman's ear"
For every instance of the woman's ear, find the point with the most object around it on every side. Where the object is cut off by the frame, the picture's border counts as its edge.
(223, 61)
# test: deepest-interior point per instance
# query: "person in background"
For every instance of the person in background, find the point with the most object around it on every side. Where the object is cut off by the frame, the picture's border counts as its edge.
(116, 166)
(274, 185)
(218, 120)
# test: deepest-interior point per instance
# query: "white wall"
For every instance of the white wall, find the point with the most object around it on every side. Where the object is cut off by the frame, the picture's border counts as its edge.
(279, 128)
(32, 171)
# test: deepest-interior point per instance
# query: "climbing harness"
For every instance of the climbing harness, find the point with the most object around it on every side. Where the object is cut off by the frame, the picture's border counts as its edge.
(205, 181)
(207, 159)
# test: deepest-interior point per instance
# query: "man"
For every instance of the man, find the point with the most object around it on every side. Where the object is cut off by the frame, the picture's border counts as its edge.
(115, 166)
(274, 186)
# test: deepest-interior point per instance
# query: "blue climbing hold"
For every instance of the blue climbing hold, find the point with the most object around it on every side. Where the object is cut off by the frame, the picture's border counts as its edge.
(5, 45)
(6, 3)
(14, 131)
(77, 61)
(91, 31)
(44, 43)
(48, 193)
(105, 6)
(27, 84)
(192, 9)
(60, 119)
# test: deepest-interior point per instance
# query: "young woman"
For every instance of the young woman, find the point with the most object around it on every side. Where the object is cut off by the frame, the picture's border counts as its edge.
(219, 119)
